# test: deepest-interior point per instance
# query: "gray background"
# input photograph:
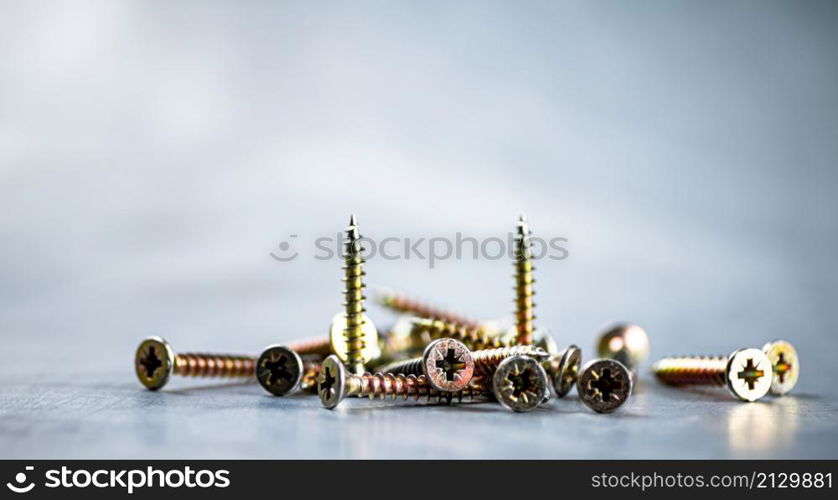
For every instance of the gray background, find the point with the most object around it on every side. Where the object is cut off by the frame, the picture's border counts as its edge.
(152, 156)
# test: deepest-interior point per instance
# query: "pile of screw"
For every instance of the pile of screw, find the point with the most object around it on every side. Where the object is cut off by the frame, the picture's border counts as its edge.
(435, 355)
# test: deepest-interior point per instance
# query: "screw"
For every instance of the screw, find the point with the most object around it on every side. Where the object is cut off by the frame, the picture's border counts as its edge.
(563, 368)
(785, 365)
(626, 343)
(524, 304)
(402, 303)
(281, 370)
(155, 362)
(604, 385)
(335, 383)
(520, 383)
(486, 361)
(746, 372)
(351, 331)
(422, 330)
(446, 363)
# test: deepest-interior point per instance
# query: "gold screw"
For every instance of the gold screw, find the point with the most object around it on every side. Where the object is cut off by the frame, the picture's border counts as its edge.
(486, 361)
(155, 362)
(784, 363)
(403, 303)
(335, 383)
(352, 331)
(626, 343)
(524, 305)
(747, 373)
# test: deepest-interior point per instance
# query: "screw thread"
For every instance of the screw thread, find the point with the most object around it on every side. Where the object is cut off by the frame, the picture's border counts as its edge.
(214, 365)
(473, 338)
(413, 366)
(397, 385)
(312, 347)
(692, 370)
(402, 303)
(311, 370)
(524, 305)
(486, 361)
(354, 298)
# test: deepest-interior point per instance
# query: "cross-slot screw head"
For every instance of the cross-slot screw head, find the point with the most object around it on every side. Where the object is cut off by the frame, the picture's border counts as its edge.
(331, 384)
(154, 362)
(749, 374)
(520, 383)
(448, 365)
(785, 364)
(279, 370)
(604, 385)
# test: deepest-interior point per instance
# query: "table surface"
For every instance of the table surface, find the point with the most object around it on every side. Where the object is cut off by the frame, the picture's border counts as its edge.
(149, 166)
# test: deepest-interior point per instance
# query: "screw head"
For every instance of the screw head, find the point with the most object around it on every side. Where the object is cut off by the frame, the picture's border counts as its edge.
(448, 365)
(542, 338)
(749, 374)
(331, 382)
(520, 383)
(624, 342)
(604, 385)
(279, 370)
(785, 365)
(371, 349)
(564, 369)
(154, 362)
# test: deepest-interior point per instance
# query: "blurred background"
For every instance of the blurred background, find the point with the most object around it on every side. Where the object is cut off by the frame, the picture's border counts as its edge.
(153, 156)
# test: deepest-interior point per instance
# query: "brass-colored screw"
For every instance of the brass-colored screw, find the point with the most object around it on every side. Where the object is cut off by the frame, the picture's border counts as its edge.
(281, 370)
(604, 384)
(446, 363)
(155, 362)
(335, 383)
(352, 330)
(785, 365)
(624, 342)
(402, 303)
(563, 368)
(747, 373)
(520, 383)
(486, 361)
(524, 305)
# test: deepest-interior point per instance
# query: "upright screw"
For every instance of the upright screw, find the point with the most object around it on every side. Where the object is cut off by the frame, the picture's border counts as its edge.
(358, 332)
(626, 343)
(446, 363)
(604, 385)
(335, 383)
(524, 304)
(747, 373)
(520, 383)
(281, 370)
(155, 362)
(563, 368)
(785, 365)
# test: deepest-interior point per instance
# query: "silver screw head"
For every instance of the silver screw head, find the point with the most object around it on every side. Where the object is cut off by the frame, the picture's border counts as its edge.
(279, 370)
(604, 385)
(154, 362)
(564, 369)
(448, 365)
(627, 343)
(749, 374)
(785, 365)
(520, 383)
(331, 382)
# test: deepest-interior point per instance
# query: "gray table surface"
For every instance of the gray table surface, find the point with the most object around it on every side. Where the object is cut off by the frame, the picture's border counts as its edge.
(151, 158)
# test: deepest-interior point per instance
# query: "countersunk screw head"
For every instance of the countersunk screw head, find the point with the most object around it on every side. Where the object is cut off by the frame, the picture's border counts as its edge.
(749, 374)
(542, 338)
(604, 385)
(520, 383)
(627, 343)
(279, 370)
(371, 349)
(565, 370)
(331, 383)
(785, 364)
(154, 362)
(448, 365)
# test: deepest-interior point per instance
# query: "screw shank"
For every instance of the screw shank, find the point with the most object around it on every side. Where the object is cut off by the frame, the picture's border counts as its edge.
(214, 365)
(692, 370)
